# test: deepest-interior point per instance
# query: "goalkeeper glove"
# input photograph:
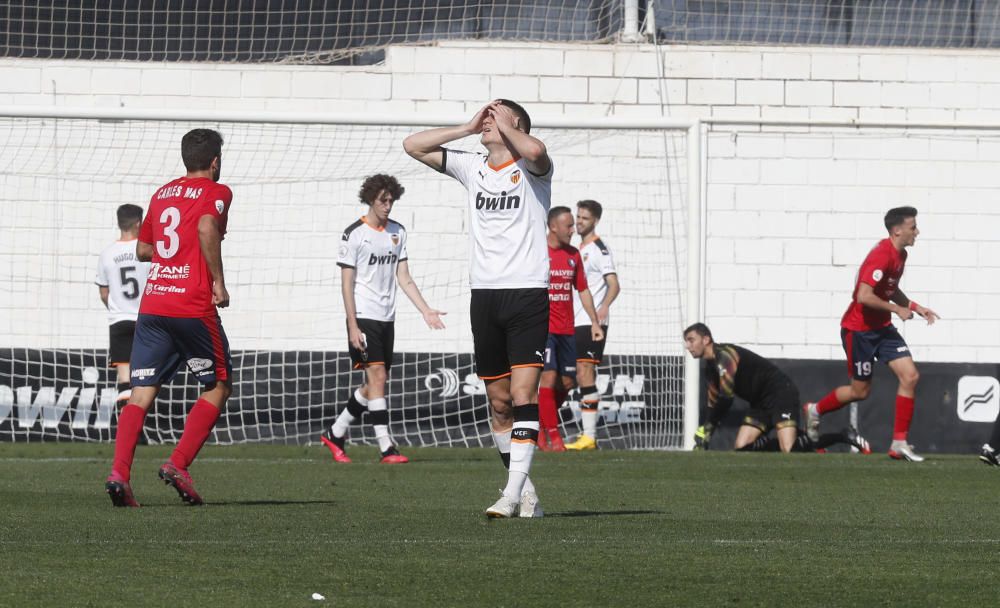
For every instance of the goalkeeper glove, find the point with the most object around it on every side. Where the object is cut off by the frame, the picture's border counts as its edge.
(702, 436)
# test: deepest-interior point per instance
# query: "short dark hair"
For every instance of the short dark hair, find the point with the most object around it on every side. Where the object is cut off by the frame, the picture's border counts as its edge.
(555, 212)
(593, 207)
(520, 112)
(701, 329)
(128, 216)
(199, 147)
(897, 215)
(374, 184)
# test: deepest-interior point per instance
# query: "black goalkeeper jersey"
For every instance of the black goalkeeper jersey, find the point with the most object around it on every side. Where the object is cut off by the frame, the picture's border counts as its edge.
(738, 372)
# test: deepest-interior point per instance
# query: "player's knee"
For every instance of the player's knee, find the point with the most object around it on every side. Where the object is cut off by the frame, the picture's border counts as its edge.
(909, 378)
(377, 375)
(569, 383)
(860, 392)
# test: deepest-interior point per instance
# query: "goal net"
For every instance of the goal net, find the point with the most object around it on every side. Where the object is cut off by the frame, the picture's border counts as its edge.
(295, 190)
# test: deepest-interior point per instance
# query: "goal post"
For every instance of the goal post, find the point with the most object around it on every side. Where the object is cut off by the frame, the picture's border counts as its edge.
(295, 178)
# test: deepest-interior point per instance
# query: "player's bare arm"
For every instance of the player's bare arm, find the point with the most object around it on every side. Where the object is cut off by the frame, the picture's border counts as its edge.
(143, 251)
(425, 146)
(531, 149)
(210, 241)
(354, 335)
(103, 291)
(868, 298)
(587, 301)
(431, 316)
(904, 301)
(614, 288)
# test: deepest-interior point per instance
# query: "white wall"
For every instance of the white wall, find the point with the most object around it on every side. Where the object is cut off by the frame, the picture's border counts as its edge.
(790, 215)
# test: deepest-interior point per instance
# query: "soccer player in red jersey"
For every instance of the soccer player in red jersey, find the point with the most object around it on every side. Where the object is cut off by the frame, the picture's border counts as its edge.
(867, 332)
(566, 272)
(178, 321)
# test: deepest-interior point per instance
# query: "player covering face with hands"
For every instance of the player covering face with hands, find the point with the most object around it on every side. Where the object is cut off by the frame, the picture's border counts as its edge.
(508, 193)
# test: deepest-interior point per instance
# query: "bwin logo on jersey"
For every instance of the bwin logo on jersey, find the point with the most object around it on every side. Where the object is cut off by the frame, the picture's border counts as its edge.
(446, 379)
(389, 258)
(497, 203)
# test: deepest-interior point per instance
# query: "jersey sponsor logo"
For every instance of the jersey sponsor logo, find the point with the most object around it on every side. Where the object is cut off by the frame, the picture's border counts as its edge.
(165, 271)
(53, 403)
(877, 275)
(220, 206)
(154, 289)
(497, 203)
(978, 399)
(389, 258)
(515, 177)
(196, 364)
(445, 379)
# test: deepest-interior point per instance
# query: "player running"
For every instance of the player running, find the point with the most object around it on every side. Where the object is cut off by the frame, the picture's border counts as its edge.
(566, 273)
(178, 322)
(509, 194)
(121, 278)
(372, 260)
(602, 278)
(867, 332)
(734, 371)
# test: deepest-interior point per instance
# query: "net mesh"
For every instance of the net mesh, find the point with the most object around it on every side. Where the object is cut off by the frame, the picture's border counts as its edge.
(295, 191)
(300, 31)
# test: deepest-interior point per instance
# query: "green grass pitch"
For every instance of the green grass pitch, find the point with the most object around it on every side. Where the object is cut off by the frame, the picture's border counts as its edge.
(621, 529)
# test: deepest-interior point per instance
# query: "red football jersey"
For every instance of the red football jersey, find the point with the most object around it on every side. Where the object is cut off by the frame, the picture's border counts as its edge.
(882, 269)
(565, 273)
(179, 284)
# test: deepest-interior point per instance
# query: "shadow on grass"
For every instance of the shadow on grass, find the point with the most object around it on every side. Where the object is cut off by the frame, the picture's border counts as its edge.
(260, 503)
(600, 513)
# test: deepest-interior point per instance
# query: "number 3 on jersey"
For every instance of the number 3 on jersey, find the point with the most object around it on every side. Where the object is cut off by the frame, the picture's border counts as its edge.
(170, 219)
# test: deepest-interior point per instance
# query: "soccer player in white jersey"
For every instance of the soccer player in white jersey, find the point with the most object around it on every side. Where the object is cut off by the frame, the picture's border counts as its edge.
(121, 278)
(373, 260)
(603, 280)
(509, 194)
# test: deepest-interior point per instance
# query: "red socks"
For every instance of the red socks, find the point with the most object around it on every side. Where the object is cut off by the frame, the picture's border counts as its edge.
(129, 427)
(904, 414)
(829, 403)
(200, 422)
(547, 416)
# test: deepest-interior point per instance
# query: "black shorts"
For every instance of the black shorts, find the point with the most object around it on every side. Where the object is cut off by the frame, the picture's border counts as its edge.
(777, 409)
(864, 347)
(588, 350)
(162, 343)
(509, 329)
(120, 351)
(379, 339)
(560, 355)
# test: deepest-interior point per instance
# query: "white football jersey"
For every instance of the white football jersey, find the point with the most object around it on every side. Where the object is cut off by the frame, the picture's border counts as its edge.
(125, 277)
(374, 253)
(508, 208)
(597, 263)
